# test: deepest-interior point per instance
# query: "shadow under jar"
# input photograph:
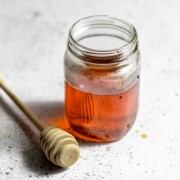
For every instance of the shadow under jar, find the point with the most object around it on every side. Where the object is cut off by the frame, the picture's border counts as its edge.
(101, 66)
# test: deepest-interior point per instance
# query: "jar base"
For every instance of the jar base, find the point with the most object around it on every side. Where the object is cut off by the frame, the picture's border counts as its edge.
(94, 139)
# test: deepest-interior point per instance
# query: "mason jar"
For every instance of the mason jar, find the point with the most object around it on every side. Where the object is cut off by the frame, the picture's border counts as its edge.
(101, 69)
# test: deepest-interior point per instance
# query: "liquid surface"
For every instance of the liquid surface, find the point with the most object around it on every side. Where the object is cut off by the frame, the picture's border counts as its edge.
(100, 118)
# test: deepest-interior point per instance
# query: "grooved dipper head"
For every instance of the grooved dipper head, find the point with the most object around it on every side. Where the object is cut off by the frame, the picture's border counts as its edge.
(60, 147)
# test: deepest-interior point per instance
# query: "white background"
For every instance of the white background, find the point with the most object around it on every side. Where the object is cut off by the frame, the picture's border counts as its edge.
(33, 38)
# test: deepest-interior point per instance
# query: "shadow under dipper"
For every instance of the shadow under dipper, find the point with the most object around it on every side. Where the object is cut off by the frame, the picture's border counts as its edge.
(33, 157)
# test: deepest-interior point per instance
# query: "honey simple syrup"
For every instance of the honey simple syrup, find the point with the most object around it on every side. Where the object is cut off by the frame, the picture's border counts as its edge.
(101, 118)
(101, 67)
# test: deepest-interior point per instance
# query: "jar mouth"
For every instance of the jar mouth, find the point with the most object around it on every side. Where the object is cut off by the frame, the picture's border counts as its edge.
(103, 26)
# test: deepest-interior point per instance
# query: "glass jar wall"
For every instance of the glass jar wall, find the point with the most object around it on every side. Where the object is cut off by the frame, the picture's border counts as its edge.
(101, 67)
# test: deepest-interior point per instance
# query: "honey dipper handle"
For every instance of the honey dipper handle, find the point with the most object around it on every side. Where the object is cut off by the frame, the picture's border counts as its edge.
(21, 105)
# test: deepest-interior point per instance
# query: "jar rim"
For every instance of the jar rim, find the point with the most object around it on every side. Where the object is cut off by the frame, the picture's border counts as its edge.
(118, 54)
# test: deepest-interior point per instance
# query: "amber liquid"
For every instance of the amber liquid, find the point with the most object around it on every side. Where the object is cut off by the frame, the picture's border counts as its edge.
(100, 118)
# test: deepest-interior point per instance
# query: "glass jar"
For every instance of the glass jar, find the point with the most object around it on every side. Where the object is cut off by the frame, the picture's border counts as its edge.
(101, 67)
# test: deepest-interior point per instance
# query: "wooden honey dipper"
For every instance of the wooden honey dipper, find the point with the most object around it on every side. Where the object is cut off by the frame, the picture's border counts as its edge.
(60, 147)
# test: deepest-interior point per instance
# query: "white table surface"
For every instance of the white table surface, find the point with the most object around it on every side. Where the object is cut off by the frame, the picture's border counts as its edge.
(33, 38)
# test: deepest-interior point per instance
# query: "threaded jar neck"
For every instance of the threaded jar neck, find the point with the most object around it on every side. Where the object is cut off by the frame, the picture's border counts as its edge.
(110, 39)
